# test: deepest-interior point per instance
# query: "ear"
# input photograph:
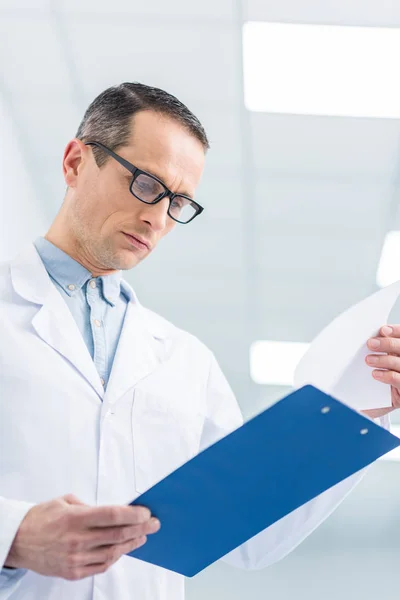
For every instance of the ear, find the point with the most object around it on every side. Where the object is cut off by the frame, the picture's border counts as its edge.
(76, 154)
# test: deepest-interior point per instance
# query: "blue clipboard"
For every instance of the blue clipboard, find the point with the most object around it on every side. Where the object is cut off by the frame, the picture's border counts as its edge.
(279, 460)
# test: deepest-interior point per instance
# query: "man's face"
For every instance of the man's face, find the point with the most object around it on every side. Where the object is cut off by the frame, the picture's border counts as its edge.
(104, 213)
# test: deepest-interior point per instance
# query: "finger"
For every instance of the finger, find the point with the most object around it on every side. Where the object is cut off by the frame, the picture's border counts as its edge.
(119, 535)
(384, 361)
(110, 554)
(71, 499)
(111, 516)
(390, 330)
(87, 565)
(389, 377)
(389, 345)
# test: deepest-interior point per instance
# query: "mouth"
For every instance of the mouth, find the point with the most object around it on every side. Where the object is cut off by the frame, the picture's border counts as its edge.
(137, 242)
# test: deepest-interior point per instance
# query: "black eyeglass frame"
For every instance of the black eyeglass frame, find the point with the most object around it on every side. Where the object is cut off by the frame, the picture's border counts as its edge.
(135, 171)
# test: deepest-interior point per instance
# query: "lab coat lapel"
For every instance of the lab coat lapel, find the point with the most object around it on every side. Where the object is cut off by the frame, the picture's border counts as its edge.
(53, 322)
(141, 349)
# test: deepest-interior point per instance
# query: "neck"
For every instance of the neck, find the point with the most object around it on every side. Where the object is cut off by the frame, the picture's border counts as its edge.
(63, 237)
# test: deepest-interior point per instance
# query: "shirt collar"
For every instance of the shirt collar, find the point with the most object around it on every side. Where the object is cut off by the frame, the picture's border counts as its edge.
(72, 276)
(111, 287)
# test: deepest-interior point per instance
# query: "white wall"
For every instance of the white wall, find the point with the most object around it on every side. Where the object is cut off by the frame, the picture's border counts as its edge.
(21, 216)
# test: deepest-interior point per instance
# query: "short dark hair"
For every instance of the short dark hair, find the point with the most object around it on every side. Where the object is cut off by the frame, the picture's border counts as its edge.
(108, 117)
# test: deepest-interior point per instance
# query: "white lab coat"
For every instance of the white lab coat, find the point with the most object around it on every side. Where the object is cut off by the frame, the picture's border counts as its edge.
(62, 433)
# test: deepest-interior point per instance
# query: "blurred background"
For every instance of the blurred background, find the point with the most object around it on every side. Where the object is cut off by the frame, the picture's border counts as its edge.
(300, 199)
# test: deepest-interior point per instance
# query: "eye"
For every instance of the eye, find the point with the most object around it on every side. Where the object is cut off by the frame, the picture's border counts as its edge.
(145, 185)
(147, 188)
(178, 203)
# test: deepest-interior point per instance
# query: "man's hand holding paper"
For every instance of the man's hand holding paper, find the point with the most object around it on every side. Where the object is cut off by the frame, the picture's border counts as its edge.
(386, 365)
(337, 361)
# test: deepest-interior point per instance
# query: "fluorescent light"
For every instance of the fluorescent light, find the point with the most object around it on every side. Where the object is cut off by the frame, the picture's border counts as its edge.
(321, 69)
(389, 264)
(393, 455)
(274, 363)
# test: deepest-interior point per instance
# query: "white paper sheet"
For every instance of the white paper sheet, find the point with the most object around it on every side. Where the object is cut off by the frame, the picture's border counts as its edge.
(335, 361)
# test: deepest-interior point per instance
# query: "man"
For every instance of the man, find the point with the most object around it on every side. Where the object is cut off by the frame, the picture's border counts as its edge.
(100, 398)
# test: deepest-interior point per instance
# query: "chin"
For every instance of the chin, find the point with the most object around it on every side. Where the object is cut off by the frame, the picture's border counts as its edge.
(127, 260)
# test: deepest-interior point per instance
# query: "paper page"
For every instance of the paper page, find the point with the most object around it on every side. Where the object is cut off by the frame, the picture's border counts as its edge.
(335, 361)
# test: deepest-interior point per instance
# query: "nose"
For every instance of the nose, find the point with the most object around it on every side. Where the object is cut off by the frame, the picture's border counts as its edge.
(156, 215)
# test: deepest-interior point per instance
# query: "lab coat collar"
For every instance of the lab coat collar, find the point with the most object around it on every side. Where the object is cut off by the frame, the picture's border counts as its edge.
(29, 276)
(143, 339)
(53, 322)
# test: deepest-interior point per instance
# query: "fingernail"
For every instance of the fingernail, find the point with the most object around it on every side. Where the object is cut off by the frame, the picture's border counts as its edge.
(372, 360)
(374, 343)
(154, 521)
(387, 330)
(377, 374)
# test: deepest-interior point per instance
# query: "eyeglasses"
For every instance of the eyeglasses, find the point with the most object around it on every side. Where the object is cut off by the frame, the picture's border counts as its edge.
(150, 190)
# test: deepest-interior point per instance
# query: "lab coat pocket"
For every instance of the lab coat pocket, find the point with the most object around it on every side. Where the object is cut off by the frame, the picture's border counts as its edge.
(165, 436)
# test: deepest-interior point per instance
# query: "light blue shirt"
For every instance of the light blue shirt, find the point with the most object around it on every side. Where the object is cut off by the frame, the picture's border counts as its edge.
(98, 304)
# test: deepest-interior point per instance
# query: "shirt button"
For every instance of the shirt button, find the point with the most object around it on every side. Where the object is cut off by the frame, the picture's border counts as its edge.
(102, 381)
(97, 322)
(71, 287)
(92, 284)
